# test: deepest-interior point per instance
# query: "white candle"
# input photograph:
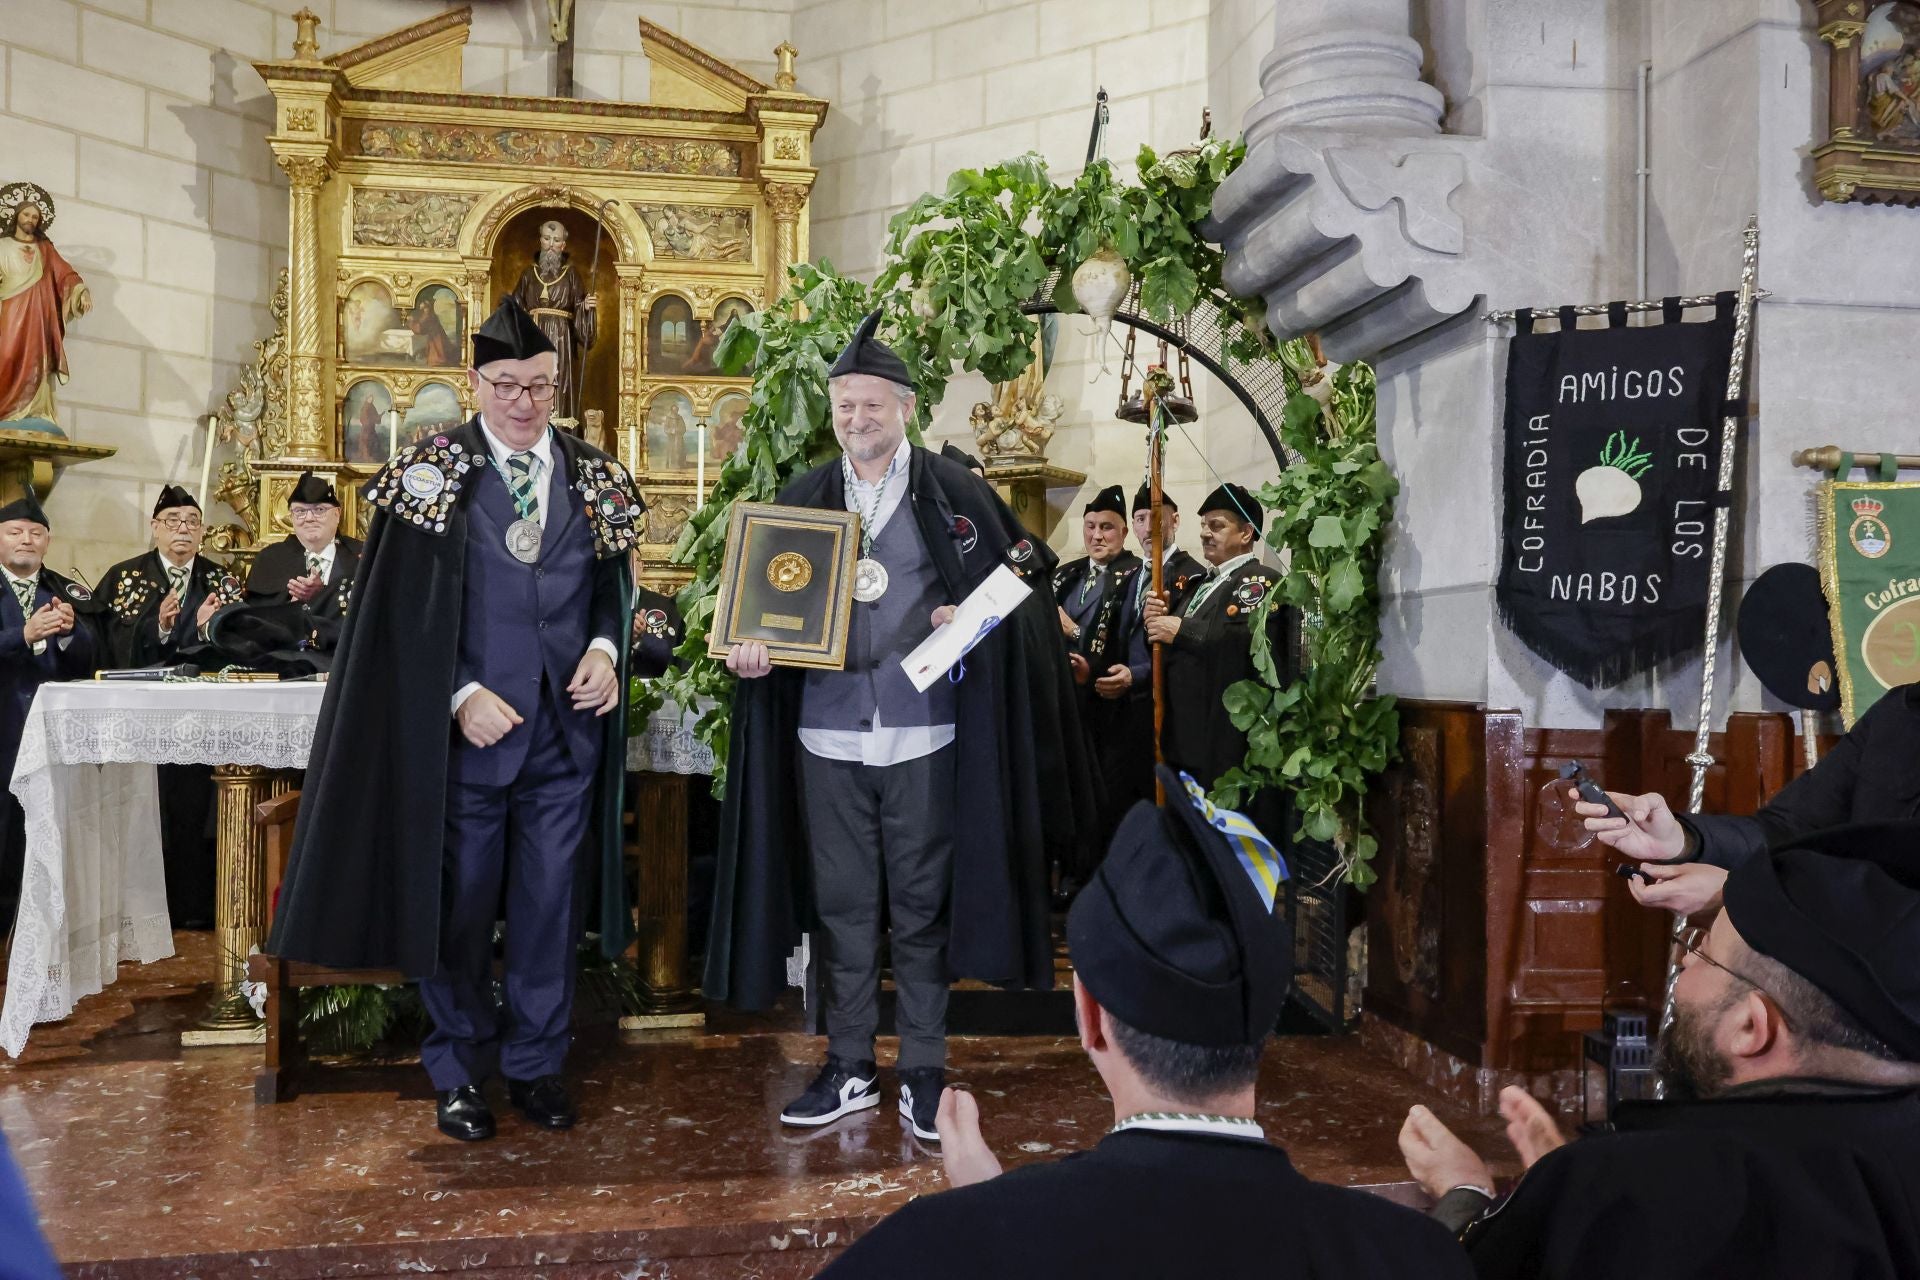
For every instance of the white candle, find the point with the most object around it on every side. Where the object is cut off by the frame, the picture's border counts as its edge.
(700, 467)
(393, 432)
(206, 462)
(633, 453)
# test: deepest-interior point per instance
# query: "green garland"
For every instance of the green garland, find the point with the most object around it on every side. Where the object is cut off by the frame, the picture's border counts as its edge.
(960, 264)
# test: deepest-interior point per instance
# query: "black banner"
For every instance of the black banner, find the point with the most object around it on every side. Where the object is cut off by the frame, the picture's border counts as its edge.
(1613, 449)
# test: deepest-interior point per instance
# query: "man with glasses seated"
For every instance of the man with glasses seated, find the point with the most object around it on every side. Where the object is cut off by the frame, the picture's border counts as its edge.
(467, 752)
(1789, 1140)
(313, 565)
(156, 605)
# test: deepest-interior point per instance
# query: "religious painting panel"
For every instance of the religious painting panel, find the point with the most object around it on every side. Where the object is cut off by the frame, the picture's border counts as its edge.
(672, 335)
(670, 440)
(725, 433)
(700, 357)
(371, 331)
(437, 320)
(436, 407)
(668, 511)
(363, 422)
(1872, 151)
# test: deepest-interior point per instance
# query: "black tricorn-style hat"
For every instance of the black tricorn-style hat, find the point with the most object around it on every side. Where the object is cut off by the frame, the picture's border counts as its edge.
(1112, 498)
(1841, 908)
(867, 354)
(267, 635)
(1174, 935)
(1786, 639)
(25, 507)
(314, 491)
(510, 333)
(173, 496)
(1143, 498)
(1236, 501)
(961, 456)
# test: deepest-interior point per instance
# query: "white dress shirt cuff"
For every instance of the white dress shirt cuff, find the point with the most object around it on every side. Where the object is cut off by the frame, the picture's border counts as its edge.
(465, 691)
(605, 646)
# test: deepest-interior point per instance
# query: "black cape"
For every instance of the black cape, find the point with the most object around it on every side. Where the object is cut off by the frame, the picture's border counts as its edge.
(1213, 652)
(363, 883)
(1022, 777)
(285, 560)
(1757, 1182)
(1122, 757)
(131, 592)
(1148, 1204)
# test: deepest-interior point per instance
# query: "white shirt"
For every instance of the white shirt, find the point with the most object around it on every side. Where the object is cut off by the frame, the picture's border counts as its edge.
(1182, 1122)
(1215, 576)
(880, 745)
(33, 584)
(542, 451)
(324, 555)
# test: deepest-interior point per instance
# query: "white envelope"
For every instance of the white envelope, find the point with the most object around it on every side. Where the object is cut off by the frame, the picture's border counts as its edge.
(978, 614)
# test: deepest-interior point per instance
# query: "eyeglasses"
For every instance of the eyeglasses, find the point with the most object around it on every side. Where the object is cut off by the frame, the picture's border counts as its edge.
(308, 513)
(1693, 940)
(510, 391)
(181, 524)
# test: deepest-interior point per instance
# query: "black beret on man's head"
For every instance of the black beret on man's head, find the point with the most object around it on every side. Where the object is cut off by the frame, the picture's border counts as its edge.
(1143, 499)
(510, 333)
(867, 354)
(1236, 502)
(313, 491)
(1841, 908)
(173, 496)
(1112, 498)
(25, 507)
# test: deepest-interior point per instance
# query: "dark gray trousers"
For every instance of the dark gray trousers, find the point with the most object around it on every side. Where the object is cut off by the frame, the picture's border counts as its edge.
(873, 830)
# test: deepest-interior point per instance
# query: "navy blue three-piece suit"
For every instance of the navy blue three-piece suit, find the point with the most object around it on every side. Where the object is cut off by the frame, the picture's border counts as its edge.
(518, 809)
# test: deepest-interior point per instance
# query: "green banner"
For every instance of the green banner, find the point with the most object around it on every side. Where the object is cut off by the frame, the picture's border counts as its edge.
(1870, 570)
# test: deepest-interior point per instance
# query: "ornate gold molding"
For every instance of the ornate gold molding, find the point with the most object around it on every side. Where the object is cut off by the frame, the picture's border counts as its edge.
(785, 200)
(306, 173)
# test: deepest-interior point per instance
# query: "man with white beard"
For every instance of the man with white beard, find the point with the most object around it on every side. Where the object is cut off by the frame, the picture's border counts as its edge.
(566, 311)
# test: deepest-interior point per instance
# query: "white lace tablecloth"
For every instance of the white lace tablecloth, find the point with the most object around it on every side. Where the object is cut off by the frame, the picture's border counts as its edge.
(94, 890)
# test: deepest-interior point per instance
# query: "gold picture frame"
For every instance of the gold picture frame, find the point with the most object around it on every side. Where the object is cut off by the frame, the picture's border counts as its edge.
(1871, 153)
(787, 582)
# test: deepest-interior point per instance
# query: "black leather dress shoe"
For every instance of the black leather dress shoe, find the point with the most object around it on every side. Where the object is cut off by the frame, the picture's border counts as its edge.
(544, 1101)
(464, 1114)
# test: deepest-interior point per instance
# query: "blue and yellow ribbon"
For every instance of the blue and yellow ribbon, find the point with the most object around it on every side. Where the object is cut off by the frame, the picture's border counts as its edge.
(1258, 858)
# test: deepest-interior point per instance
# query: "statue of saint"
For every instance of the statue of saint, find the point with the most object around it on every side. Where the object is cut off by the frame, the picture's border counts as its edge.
(39, 296)
(551, 291)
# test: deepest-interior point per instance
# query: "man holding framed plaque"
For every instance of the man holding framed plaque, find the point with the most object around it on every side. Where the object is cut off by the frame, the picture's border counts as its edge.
(847, 782)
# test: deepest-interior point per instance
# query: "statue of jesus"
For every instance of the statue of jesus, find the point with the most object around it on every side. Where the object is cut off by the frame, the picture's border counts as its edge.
(565, 310)
(39, 295)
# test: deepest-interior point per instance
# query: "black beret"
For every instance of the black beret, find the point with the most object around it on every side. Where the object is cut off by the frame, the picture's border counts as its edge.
(314, 491)
(173, 496)
(1786, 639)
(1112, 498)
(1841, 908)
(1235, 501)
(25, 507)
(1172, 935)
(1143, 498)
(867, 354)
(510, 333)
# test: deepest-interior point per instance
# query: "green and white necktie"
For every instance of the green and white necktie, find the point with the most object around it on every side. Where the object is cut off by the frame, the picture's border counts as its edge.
(313, 565)
(1199, 597)
(23, 592)
(177, 582)
(1095, 574)
(521, 469)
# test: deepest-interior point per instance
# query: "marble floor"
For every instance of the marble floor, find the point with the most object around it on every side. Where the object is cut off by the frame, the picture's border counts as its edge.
(149, 1160)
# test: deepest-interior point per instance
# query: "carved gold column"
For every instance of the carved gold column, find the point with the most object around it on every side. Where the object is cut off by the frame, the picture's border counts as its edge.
(627, 421)
(307, 420)
(660, 833)
(785, 200)
(1843, 75)
(240, 901)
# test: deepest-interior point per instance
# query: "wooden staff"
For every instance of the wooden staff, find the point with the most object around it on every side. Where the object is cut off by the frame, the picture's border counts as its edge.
(1156, 553)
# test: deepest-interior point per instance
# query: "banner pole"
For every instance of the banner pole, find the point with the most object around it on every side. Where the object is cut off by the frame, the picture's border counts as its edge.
(1701, 758)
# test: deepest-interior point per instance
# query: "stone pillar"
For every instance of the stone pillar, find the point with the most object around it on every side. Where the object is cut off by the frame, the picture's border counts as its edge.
(307, 422)
(786, 200)
(1345, 64)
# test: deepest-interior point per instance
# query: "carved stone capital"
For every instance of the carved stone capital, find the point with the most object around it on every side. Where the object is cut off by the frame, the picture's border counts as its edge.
(785, 199)
(306, 173)
(1842, 33)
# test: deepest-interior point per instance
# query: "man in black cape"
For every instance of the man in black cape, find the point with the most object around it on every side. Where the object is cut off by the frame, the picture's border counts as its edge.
(1097, 600)
(888, 772)
(1209, 644)
(312, 566)
(45, 634)
(465, 739)
(1789, 1140)
(157, 605)
(1180, 969)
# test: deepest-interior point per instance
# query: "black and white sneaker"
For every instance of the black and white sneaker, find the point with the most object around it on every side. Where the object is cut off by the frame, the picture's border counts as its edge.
(840, 1088)
(920, 1089)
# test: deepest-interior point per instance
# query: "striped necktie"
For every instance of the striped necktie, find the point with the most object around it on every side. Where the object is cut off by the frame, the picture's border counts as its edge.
(520, 472)
(313, 564)
(177, 582)
(1199, 597)
(23, 592)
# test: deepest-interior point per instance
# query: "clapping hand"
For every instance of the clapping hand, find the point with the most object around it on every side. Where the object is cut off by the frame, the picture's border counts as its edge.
(306, 588)
(169, 612)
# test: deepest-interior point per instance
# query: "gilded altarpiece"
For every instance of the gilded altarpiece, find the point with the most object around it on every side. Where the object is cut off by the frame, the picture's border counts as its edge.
(415, 207)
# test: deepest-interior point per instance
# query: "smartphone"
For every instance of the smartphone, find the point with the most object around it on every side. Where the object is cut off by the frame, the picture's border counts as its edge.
(1627, 871)
(1590, 791)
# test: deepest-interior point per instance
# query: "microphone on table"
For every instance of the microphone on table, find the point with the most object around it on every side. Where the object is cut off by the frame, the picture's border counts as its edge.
(185, 671)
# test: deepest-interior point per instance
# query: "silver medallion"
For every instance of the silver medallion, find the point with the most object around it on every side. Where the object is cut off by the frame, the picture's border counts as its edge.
(523, 540)
(869, 580)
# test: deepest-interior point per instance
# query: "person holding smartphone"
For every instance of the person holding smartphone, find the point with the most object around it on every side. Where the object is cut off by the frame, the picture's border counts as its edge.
(1871, 775)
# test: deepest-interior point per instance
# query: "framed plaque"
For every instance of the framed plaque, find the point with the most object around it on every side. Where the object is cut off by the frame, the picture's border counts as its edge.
(787, 581)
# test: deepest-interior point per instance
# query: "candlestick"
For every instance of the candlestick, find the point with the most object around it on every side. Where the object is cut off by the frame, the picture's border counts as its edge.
(633, 453)
(393, 432)
(700, 467)
(206, 461)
